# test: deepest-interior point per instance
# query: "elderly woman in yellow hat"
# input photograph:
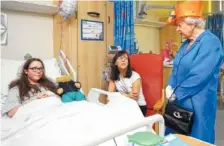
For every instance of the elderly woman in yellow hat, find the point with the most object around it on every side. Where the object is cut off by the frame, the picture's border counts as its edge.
(194, 79)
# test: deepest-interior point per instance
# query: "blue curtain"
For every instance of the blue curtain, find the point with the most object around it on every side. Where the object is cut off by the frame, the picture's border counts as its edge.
(124, 25)
(215, 23)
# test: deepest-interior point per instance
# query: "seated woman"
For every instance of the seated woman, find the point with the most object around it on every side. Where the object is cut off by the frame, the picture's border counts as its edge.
(32, 84)
(125, 80)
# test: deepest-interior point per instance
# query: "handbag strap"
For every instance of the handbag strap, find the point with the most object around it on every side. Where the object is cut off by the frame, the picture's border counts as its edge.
(175, 99)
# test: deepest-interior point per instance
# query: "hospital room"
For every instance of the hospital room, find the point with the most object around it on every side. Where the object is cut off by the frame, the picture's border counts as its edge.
(112, 73)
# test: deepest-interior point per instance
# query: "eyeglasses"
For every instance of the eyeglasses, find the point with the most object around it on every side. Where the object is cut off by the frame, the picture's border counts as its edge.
(36, 69)
(122, 58)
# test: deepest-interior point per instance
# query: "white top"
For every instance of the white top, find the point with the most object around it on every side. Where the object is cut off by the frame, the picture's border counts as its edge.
(125, 85)
(13, 99)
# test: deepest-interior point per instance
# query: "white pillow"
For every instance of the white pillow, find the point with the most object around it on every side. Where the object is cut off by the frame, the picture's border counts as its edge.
(52, 70)
(9, 70)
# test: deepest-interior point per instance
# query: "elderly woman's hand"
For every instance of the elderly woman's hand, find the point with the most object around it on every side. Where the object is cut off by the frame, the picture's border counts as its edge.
(169, 92)
(222, 68)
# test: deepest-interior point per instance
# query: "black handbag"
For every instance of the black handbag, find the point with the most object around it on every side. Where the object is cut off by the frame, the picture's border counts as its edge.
(178, 119)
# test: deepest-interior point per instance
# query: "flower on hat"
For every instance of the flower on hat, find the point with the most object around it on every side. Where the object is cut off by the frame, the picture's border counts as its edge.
(172, 17)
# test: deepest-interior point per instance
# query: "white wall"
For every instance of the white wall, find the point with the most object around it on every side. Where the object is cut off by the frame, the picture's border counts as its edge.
(148, 38)
(216, 5)
(28, 33)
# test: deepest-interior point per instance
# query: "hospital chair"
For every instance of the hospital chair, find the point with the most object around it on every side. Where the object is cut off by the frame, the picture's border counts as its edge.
(150, 68)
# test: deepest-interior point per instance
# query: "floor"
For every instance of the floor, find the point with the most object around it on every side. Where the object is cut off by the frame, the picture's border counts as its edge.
(220, 126)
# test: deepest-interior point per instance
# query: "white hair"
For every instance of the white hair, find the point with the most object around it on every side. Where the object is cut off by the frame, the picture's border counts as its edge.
(199, 22)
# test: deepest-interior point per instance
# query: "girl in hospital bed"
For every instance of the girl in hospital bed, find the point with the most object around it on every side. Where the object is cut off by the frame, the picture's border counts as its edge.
(32, 84)
(126, 81)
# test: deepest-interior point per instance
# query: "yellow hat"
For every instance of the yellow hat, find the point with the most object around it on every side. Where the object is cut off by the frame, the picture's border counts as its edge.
(187, 8)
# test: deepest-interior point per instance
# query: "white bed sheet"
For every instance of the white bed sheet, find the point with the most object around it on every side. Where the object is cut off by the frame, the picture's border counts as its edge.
(71, 124)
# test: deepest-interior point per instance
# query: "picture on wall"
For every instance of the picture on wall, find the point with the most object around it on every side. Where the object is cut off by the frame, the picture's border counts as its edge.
(92, 30)
(4, 29)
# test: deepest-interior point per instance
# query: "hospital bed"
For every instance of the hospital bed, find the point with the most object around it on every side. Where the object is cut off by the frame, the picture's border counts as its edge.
(85, 123)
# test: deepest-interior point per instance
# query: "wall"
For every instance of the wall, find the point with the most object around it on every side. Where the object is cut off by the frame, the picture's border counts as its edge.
(28, 33)
(87, 57)
(169, 33)
(148, 38)
(215, 6)
(151, 38)
(160, 13)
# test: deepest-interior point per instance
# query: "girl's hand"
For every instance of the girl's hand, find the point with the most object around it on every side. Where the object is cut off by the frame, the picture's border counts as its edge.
(12, 112)
(42, 95)
(50, 93)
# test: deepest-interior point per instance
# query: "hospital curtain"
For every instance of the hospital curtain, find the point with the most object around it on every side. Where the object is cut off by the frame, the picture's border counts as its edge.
(124, 25)
(215, 23)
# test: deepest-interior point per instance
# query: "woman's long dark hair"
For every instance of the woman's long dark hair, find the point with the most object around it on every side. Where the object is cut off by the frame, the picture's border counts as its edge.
(24, 85)
(114, 70)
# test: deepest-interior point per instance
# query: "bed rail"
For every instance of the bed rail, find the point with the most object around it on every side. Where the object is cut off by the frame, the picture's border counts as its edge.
(93, 97)
(148, 121)
(63, 59)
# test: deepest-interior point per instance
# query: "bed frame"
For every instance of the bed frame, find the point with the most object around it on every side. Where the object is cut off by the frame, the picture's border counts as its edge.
(64, 62)
(93, 97)
(148, 121)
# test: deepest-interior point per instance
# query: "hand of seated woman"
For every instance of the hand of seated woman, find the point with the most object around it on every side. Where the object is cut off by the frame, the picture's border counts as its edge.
(133, 95)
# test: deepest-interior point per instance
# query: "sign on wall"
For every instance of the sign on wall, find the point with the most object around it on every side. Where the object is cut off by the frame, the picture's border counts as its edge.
(92, 30)
(4, 30)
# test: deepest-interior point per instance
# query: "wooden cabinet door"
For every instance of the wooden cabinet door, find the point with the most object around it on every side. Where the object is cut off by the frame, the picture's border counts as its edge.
(110, 23)
(91, 54)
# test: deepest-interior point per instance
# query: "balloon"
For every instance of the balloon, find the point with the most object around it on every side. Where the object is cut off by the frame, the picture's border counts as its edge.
(67, 8)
